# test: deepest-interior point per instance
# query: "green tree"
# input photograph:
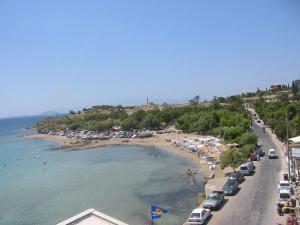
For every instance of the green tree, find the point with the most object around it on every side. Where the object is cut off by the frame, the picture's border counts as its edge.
(283, 98)
(215, 103)
(129, 124)
(231, 133)
(248, 139)
(150, 121)
(295, 89)
(231, 158)
(246, 150)
(195, 100)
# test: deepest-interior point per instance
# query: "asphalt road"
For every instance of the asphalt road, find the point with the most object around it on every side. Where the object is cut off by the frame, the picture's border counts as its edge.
(255, 204)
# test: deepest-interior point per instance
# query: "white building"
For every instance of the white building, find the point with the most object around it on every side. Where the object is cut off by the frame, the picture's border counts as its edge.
(92, 217)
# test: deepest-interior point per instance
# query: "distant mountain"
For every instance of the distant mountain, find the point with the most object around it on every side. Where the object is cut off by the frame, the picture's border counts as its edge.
(50, 113)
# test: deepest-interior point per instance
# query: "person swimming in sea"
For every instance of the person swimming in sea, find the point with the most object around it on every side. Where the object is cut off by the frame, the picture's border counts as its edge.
(189, 172)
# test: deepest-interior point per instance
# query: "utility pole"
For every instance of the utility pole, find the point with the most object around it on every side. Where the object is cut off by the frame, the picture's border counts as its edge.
(287, 142)
(287, 127)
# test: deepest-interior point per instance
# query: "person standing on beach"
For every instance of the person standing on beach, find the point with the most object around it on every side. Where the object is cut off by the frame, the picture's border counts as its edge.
(212, 169)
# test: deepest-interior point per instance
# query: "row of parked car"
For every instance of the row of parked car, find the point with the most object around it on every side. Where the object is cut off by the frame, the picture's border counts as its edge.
(215, 199)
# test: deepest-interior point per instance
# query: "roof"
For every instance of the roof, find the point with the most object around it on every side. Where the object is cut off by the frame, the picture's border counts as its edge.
(213, 194)
(295, 139)
(296, 153)
(197, 210)
(284, 191)
(91, 217)
(284, 182)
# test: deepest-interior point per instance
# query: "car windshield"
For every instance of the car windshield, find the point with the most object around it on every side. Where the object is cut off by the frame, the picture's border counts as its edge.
(233, 176)
(244, 168)
(195, 215)
(228, 187)
(212, 198)
(284, 185)
(231, 182)
(284, 195)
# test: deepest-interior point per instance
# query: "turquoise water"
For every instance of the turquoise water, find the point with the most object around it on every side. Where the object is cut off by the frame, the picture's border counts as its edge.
(41, 185)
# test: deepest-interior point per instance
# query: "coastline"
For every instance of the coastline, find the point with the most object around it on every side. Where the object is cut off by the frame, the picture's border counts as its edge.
(156, 141)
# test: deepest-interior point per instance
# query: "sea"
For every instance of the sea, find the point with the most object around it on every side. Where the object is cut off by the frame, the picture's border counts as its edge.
(41, 184)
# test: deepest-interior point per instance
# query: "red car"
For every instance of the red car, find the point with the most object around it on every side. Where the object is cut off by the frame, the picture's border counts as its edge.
(253, 157)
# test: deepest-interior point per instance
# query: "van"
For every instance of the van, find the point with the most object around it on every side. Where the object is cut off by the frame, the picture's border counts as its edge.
(284, 196)
(272, 154)
(251, 164)
(246, 169)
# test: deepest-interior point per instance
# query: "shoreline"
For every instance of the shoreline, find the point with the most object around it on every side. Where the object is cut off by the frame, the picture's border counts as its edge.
(156, 141)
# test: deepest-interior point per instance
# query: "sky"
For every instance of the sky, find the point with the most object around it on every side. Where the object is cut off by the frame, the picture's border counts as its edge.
(67, 54)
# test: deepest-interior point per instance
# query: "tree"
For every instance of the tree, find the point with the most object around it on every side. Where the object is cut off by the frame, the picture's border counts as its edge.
(150, 121)
(295, 89)
(221, 99)
(258, 90)
(205, 122)
(248, 139)
(129, 124)
(246, 150)
(231, 158)
(195, 100)
(72, 112)
(231, 133)
(283, 98)
(215, 103)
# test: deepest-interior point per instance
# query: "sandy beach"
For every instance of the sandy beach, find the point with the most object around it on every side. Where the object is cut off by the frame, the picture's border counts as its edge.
(157, 141)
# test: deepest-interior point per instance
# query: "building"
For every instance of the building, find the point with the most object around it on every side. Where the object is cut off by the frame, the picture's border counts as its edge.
(92, 217)
(294, 155)
(276, 87)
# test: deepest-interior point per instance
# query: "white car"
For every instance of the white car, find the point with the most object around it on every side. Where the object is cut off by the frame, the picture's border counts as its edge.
(284, 184)
(272, 154)
(284, 196)
(199, 216)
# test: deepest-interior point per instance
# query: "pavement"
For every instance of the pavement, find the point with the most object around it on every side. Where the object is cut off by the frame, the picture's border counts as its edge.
(255, 203)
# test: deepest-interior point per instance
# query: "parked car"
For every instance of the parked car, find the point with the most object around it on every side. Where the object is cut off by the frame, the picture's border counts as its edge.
(238, 176)
(284, 196)
(199, 216)
(251, 164)
(231, 187)
(247, 168)
(253, 156)
(214, 200)
(284, 184)
(272, 154)
(260, 152)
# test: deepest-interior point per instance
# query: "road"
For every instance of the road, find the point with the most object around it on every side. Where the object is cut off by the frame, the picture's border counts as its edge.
(255, 204)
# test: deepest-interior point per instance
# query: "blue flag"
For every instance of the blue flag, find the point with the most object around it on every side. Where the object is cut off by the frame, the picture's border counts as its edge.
(156, 212)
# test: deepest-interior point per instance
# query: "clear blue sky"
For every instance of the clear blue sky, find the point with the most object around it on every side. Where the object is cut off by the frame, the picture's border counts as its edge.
(62, 55)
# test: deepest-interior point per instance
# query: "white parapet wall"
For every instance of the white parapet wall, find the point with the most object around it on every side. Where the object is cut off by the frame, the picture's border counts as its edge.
(92, 217)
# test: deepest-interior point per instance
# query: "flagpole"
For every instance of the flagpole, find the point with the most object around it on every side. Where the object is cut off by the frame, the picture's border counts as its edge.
(151, 214)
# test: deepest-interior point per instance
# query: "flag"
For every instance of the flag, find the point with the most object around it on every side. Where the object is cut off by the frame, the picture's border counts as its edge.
(156, 212)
